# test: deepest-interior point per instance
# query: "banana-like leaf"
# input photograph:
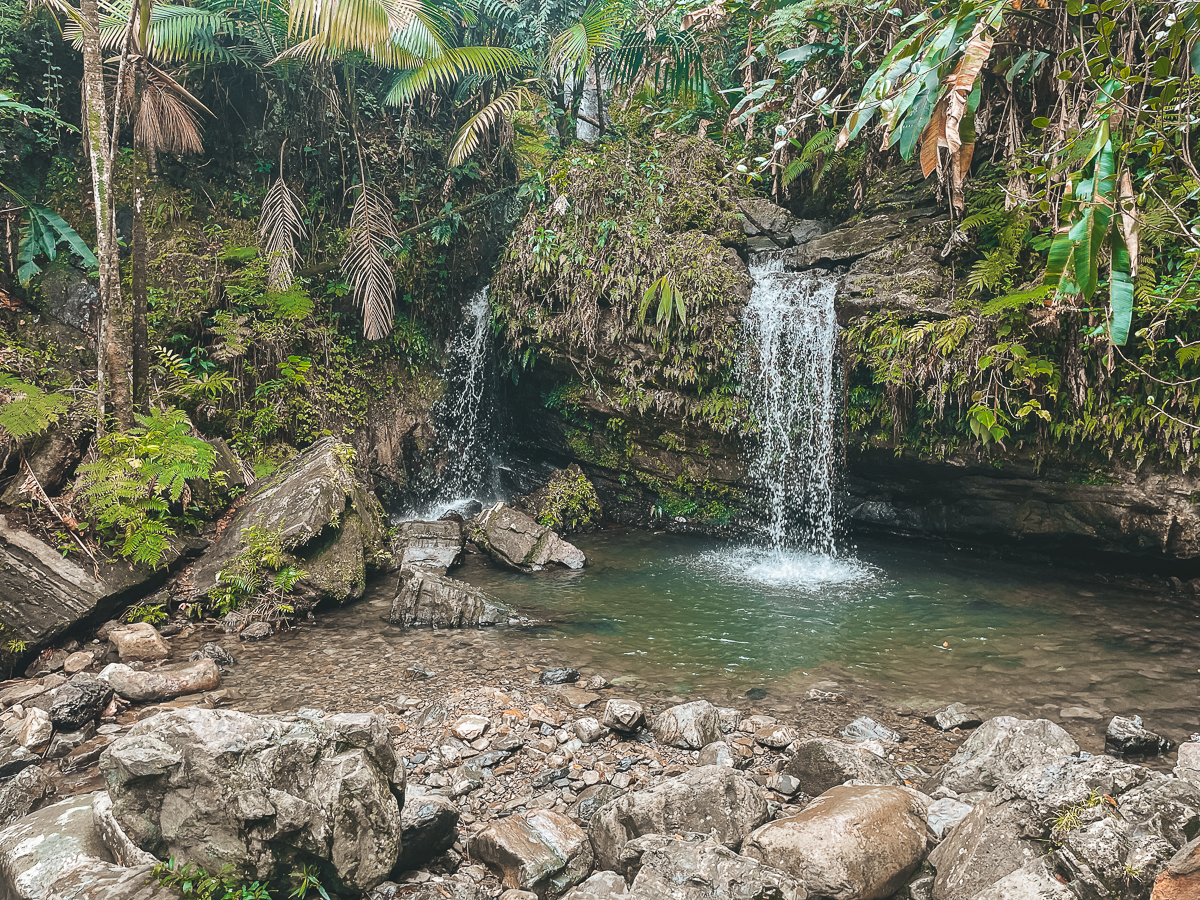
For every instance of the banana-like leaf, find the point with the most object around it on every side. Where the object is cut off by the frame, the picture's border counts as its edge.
(44, 231)
(1120, 296)
(945, 125)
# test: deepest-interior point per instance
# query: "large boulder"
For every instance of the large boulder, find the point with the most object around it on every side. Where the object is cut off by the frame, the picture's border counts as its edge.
(326, 520)
(162, 684)
(1098, 819)
(22, 794)
(261, 796)
(79, 702)
(540, 851)
(695, 867)
(99, 880)
(858, 842)
(821, 763)
(432, 546)
(1033, 881)
(707, 800)
(429, 822)
(689, 725)
(513, 539)
(1181, 879)
(52, 455)
(999, 749)
(424, 598)
(39, 849)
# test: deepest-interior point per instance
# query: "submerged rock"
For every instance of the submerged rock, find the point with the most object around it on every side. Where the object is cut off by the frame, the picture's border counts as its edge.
(513, 539)
(1128, 737)
(222, 788)
(428, 599)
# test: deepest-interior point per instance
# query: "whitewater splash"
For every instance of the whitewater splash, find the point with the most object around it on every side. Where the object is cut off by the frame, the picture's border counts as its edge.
(790, 331)
(790, 570)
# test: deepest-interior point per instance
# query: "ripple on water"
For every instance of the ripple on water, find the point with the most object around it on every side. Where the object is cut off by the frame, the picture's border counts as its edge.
(788, 569)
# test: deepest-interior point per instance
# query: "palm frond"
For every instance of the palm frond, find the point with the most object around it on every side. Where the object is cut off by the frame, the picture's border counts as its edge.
(486, 119)
(372, 232)
(167, 120)
(280, 227)
(453, 64)
(576, 47)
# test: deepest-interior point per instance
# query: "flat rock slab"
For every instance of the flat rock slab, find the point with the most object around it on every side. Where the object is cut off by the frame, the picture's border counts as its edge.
(39, 849)
(539, 851)
(425, 598)
(433, 546)
(98, 880)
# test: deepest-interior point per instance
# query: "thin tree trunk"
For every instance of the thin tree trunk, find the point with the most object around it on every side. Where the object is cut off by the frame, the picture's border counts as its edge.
(100, 159)
(138, 288)
(748, 79)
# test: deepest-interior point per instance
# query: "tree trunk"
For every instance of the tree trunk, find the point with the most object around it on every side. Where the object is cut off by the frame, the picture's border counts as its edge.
(112, 392)
(138, 288)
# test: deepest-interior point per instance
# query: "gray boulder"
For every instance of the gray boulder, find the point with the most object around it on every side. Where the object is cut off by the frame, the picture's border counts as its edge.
(539, 851)
(1128, 737)
(600, 886)
(429, 822)
(696, 867)
(22, 794)
(39, 849)
(99, 880)
(999, 749)
(513, 539)
(424, 598)
(857, 842)
(261, 796)
(689, 725)
(327, 521)
(431, 546)
(79, 702)
(623, 715)
(956, 715)
(1033, 881)
(162, 684)
(708, 799)
(821, 763)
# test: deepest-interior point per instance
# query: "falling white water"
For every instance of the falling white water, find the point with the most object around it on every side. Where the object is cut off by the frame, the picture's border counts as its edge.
(788, 375)
(465, 418)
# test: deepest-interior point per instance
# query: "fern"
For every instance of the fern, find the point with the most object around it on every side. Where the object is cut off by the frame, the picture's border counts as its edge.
(130, 490)
(818, 152)
(991, 271)
(27, 409)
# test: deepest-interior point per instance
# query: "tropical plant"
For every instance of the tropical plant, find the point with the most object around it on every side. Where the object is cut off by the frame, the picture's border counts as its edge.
(27, 409)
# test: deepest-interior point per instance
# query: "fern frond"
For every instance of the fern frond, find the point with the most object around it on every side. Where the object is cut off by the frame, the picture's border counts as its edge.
(27, 409)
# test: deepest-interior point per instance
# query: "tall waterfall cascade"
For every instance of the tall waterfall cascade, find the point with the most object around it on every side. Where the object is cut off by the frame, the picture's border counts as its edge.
(465, 418)
(790, 332)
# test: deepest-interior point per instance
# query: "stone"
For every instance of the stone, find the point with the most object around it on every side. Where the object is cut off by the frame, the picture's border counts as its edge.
(945, 813)
(783, 784)
(216, 652)
(858, 842)
(729, 718)
(718, 753)
(777, 736)
(138, 641)
(559, 676)
(999, 749)
(21, 692)
(428, 599)
(588, 729)
(22, 794)
(99, 880)
(865, 728)
(430, 823)
(540, 851)
(708, 799)
(1181, 878)
(591, 799)
(14, 758)
(770, 224)
(80, 702)
(623, 715)
(39, 849)
(695, 867)
(65, 742)
(956, 715)
(1187, 763)
(513, 539)
(468, 728)
(162, 684)
(261, 796)
(819, 764)
(255, 631)
(123, 850)
(1127, 736)
(512, 894)
(326, 518)
(600, 886)
(34, 734)
(1033, 881)
(78, 661)
(574, 697)
(689, 725)
(432, 546)
(806, 230)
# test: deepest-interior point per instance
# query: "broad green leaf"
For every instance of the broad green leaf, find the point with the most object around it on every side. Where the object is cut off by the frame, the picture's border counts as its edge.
(1120, 285)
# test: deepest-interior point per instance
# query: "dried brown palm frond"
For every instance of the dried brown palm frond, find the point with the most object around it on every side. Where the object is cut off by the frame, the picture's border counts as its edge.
(372, 233)
(280, 227)
(167, 119)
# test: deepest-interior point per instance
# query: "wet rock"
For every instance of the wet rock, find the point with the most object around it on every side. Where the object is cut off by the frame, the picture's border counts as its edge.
(216, 653)
(666, 867)
(945, 813)
(777, 736)
(80, 702)
(624, 715)
(999, 749)
(256, 631)
(851, 843)
(689, 725)
(1181, 879)
(78, 661)
(35, 731)
(1128, 737)
(66, 741)
(867, 729)
(513, 539)
(22, 794)
(768, 227)
(429, 824)
(468, 728)
(821, 763)
(432, 546)
(428, 599)
(326, 519)
(99, 880)
(588, 729)
(138, 641)
(718, 753)
(956, 715)
(559, 676)
(223, 788)
(539, 851)
(39, 849)
(709, 799)
(162, 684)
(14, 758)
(1187, 764)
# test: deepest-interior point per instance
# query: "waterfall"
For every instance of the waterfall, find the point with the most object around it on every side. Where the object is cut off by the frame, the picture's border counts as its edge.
(788, 375)
(465, 419)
